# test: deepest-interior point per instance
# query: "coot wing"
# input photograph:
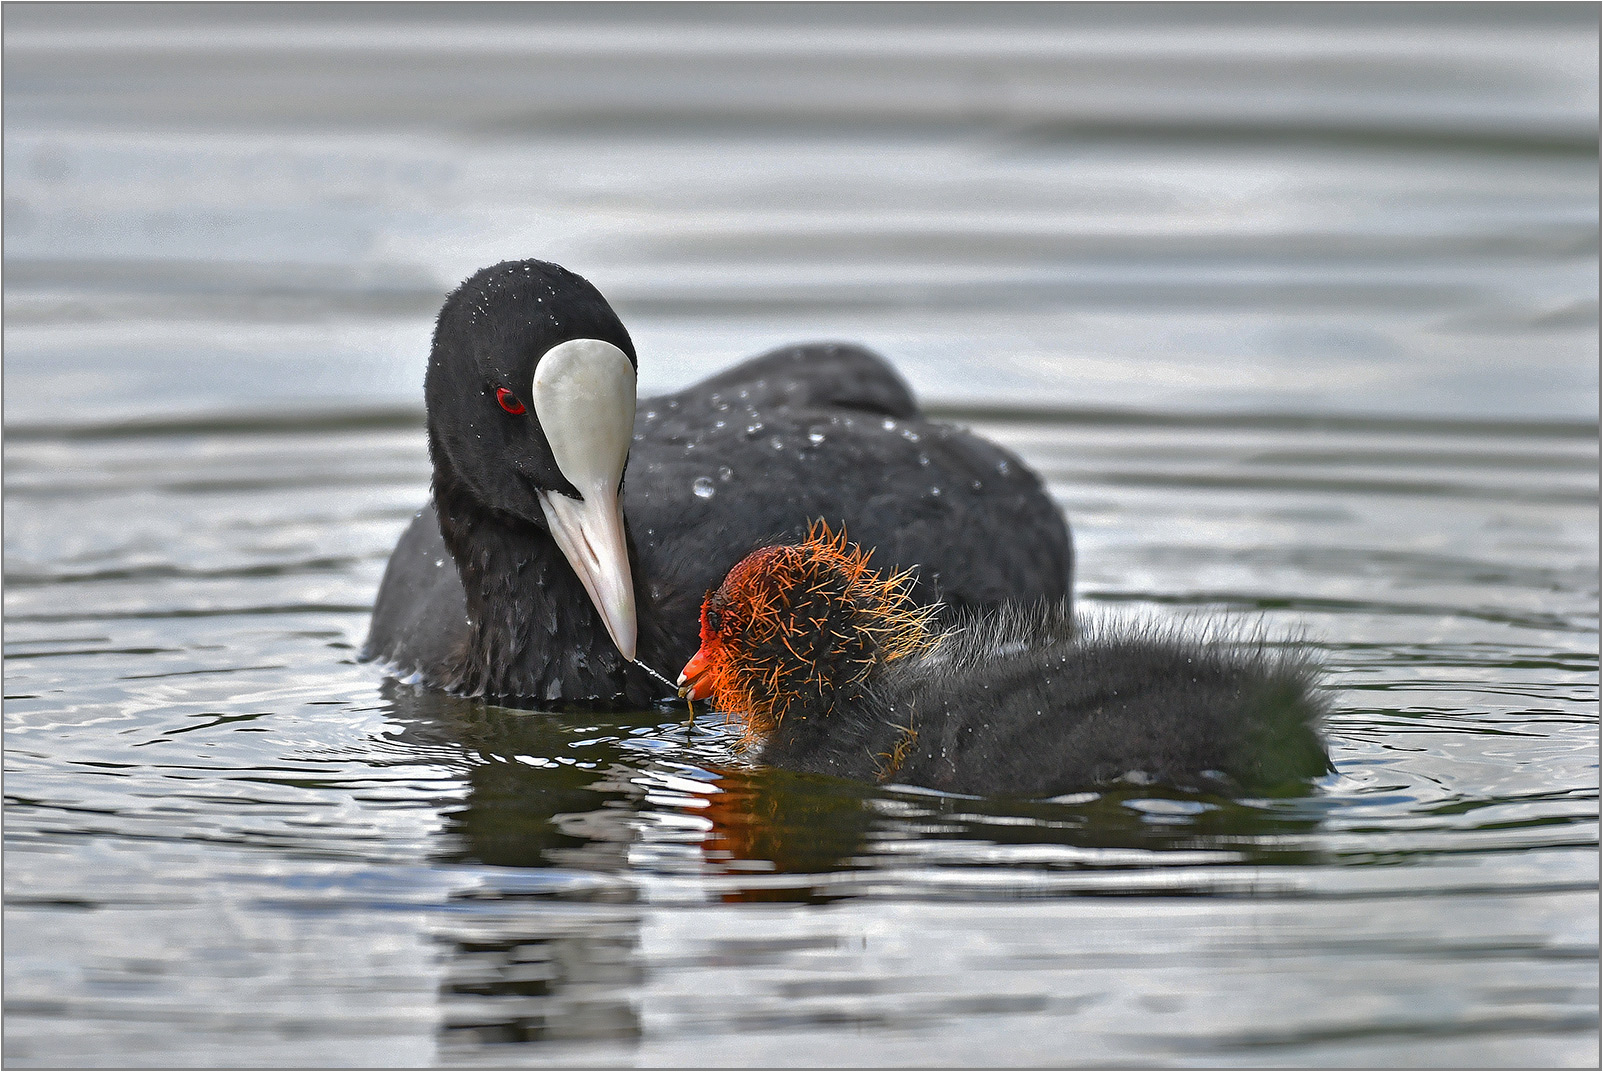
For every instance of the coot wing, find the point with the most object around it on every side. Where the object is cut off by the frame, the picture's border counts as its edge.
(700, 494)
(802, 376)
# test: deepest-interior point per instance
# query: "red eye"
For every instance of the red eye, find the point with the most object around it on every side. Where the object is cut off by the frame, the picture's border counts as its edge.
(509, 401)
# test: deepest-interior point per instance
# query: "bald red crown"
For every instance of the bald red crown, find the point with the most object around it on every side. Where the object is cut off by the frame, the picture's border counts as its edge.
(795, 628)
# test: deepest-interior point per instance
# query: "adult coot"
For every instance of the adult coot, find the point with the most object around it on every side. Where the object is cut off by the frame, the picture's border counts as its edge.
(833, 669)
(541, 570)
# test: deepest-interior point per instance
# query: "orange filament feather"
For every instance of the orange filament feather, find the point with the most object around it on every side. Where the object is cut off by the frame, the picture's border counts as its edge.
(898, 753)
(798, 625)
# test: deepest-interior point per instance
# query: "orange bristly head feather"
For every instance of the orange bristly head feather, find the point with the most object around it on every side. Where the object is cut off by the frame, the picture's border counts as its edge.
(794, 628)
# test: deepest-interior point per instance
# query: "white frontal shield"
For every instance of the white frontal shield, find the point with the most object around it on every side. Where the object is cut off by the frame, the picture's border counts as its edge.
(584, 398)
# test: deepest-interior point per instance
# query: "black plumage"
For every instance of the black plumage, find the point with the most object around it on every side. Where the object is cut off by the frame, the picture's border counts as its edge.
(1021, 702)
(477, 597)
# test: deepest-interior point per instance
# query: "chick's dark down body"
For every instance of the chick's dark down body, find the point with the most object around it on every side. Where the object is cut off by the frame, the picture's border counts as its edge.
(746, 458)
(1031, 706)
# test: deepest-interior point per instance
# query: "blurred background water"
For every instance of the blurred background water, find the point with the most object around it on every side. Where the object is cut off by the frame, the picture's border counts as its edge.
(1296, 309)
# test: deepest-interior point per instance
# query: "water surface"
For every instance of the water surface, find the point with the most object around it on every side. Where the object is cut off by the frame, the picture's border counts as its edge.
(1299, 327)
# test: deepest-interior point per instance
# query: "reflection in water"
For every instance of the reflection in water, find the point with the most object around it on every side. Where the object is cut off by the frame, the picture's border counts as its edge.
(774, 821)
(565, 879)
(539, 973)
(544, 790)
(526, 961)
(224, 848)
(614, 794)
(542, 952)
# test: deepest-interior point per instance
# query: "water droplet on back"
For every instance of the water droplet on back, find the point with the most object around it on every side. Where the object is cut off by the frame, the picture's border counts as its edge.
(703, 487)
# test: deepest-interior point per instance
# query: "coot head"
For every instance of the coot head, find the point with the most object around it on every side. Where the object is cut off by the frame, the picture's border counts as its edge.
(794, 629)
(531, 403)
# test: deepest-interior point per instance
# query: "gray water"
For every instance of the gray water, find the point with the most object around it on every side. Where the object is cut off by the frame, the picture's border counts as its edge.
(1294, 309)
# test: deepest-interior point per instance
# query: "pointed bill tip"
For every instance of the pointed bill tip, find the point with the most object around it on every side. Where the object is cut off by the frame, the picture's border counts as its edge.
(590, 534)
(622, 628)
(694, 681)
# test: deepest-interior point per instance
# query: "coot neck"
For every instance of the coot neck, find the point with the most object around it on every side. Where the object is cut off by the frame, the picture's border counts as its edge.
(854, 733)
(534, 634)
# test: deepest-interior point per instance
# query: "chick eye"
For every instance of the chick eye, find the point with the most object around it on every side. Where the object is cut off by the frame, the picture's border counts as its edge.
(714, 621)
(509, 401)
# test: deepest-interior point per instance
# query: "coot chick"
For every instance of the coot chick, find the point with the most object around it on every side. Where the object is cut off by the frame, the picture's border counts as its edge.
(832, 669)
(541, 571)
